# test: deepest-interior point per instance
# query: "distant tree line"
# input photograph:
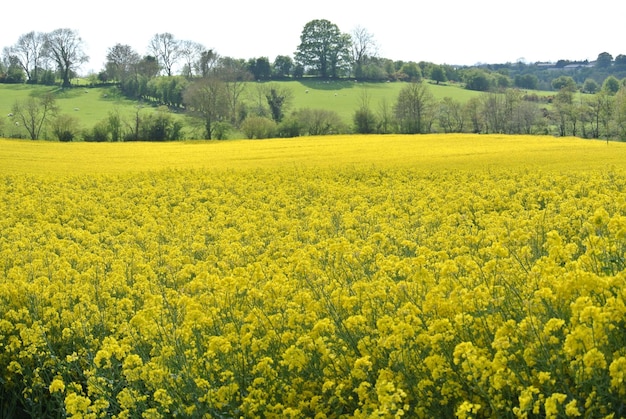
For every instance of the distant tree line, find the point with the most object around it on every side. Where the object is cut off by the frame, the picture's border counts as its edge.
(324, 51)
(40, 57)
(181, 75)
(508, 111)
(588, 76)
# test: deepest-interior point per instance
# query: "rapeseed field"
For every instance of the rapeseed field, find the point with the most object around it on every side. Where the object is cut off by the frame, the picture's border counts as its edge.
(335, 277)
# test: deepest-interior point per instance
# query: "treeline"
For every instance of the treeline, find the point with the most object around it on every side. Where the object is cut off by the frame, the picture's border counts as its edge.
(219, 106)
(324, 51)
(509, 111)
(218, 94)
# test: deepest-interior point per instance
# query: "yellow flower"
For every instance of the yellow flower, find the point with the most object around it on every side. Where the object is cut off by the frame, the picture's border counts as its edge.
(57, 385)
(467, 409)
(75, 405)
(593, 361)
(617, 370)
(361, 367)
(163, 398)
(526, 401)
(552, 403)
(543, 376)
(572, 410)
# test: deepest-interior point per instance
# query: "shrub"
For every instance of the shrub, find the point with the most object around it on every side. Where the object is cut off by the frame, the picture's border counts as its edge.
(319, 122)
(221, 130)
(365, 121)
(290, 127)
(99, 133)
(160, 126)
(65, 127)
(259, 127)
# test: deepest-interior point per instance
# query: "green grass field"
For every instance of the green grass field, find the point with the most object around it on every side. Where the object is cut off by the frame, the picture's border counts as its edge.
(91, 105)
(344, 97)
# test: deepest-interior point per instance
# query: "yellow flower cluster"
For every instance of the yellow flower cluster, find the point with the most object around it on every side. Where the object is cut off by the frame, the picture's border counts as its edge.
(314, 293)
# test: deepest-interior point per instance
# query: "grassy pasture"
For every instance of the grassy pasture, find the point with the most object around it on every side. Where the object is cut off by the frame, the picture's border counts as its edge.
(344, 97)
(91, 105)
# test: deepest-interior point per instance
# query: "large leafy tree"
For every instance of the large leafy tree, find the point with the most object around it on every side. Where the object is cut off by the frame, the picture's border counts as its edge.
(604, 60)
(260, 68)
(65, 47)
(611, 85)
(477, 79)
(438, 74)
(564, 83)
(620, 60)
(283, 64)
(323, 48)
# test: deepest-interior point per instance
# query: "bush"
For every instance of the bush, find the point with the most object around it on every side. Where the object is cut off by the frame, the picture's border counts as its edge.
(65, 127)
(99, 133)
(221, 130)
(365, 121)
(289, 128)
(259, 127)
(476, 79)
(319, 122)
(160, 126)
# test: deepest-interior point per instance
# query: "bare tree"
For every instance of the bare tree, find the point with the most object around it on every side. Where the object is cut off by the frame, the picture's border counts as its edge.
(414, 109)
(473, 112)
(620, 113)
(385, 117)
(166, 49)
(363, 47)
(65, 48)
(601, 106)
(494, 112)
(207, 98)
(450, 115)
(29, 53)
(234, 74)
(34, 112)
(190, 52)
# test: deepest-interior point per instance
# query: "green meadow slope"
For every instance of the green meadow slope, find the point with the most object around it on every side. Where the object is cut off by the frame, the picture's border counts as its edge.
(93, 104)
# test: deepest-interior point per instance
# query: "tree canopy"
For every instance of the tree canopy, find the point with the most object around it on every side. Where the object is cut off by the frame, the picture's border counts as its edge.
(324, 49)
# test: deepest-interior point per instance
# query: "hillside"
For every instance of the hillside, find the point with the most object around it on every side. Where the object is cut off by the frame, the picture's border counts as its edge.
(93, 104)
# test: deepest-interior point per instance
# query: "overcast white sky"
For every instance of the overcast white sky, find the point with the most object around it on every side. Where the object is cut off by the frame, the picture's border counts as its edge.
(452, 31)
